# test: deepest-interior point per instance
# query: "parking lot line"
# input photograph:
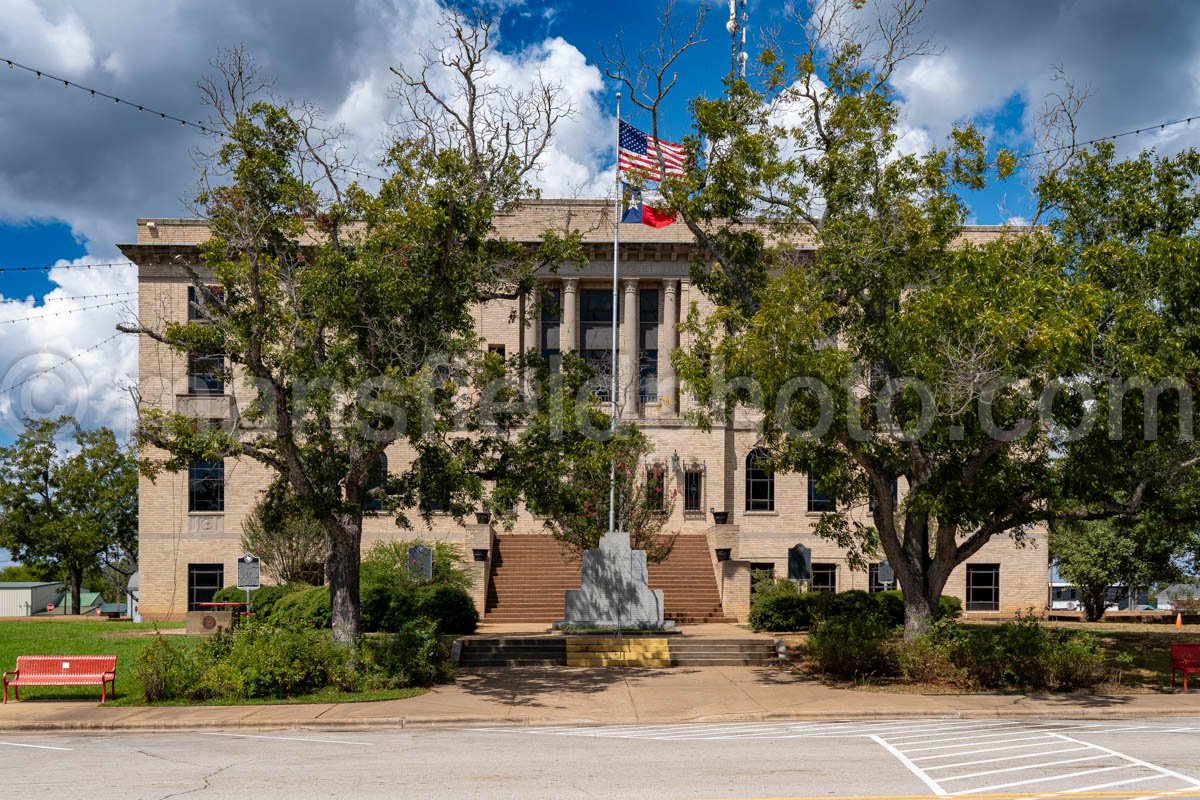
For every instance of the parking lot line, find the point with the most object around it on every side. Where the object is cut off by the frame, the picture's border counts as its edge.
(1002, 758)
(36, 746)
(1037, 765)
(1039, 737)
(1140, 762)
(1046, 779)
(984, 750)
(913, 768)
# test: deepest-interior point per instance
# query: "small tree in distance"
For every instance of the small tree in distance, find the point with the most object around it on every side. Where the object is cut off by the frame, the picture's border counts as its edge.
(290, 542)
(70, 510)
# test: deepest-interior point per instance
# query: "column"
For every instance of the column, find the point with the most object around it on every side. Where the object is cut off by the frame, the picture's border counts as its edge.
(668, 388)
(568, 332)
(629, 352)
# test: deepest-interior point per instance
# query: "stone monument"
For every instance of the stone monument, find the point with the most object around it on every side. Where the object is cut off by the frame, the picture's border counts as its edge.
(614, 589)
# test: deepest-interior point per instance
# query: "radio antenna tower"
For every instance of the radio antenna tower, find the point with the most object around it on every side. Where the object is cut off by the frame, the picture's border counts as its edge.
(737, 34)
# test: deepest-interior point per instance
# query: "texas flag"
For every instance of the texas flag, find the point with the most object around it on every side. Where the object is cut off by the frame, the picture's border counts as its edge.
(637, 211)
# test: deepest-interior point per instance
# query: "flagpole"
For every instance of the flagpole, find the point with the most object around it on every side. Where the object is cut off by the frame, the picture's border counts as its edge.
(612, 423)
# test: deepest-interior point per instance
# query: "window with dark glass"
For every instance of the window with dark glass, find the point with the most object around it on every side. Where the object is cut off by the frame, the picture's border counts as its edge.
(656, 487)
(983, 587)
(648, 345)
(824, 578)
(195, 306)
(895, 496)
(595, 334)
(377, 484)
(206, 486)
(206, 374)
(760, 482)
(693, 490)
(204, 581)
(551, 323)
(818, 498)
(497, 349)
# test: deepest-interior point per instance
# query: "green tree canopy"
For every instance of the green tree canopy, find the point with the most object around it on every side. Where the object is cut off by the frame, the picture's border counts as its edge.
(348, 312)
(876, 343)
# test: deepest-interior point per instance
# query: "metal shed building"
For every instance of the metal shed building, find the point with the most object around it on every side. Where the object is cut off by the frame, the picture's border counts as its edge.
(21, 599)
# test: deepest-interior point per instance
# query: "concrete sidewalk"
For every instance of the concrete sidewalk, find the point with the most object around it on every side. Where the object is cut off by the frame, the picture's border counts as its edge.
(558, 695)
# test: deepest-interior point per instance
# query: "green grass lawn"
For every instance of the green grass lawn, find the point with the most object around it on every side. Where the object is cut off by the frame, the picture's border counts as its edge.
(61, 636)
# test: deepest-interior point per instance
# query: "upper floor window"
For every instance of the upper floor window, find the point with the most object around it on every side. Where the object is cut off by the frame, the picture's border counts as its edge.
(549, 343)
(376, 485)
(206, 486)
(195, 306)
(760, 482)
(205, 374)
(819, 500)
(595, 334)
(648, 345)
(693, 490)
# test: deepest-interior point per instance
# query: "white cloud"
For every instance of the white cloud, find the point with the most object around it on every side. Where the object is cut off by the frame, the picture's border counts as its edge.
(97, 167)
(61, 355)
(60, 44)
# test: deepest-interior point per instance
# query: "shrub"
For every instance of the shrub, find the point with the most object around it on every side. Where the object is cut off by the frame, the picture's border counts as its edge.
(388, 561)
(308, 608)
(1015, 655)
(782, 612)
(929, 658)
(388, 595)
(450, 608)
(949, 607)
(890, 607)
(166, 669)
(260, 661)
(262, 599)
(852, 647)
(854, 603)
(412, 656)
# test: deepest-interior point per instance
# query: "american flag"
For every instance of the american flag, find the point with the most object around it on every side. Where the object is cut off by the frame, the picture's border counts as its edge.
(640, 152)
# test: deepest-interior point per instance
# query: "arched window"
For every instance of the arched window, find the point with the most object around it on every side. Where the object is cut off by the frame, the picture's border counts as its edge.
(376, 485)
(760, 482)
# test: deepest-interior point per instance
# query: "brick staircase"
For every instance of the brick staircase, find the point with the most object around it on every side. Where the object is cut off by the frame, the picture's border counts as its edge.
(530, 573)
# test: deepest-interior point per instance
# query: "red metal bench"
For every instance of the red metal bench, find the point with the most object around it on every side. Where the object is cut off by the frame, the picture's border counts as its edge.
(1185, 658)
(62, 671)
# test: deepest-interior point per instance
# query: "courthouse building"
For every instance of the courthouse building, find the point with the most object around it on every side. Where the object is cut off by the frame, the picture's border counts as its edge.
(732, 515)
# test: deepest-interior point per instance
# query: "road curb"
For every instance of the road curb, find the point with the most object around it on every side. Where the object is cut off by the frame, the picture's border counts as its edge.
(463, 721)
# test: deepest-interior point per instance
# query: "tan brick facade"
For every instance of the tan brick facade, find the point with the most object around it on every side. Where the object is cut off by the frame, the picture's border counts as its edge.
(172, 538)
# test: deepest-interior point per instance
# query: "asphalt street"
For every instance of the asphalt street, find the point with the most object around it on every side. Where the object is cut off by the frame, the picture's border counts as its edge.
(989, 759)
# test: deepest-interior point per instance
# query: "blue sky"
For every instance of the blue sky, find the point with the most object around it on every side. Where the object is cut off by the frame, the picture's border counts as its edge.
(75, 172)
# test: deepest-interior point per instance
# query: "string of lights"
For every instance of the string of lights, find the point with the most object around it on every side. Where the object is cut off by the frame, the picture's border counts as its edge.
(61, 313)
(1161, 126)
(67, 266)
(203, 127)
(8, 301)
(62, 363)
